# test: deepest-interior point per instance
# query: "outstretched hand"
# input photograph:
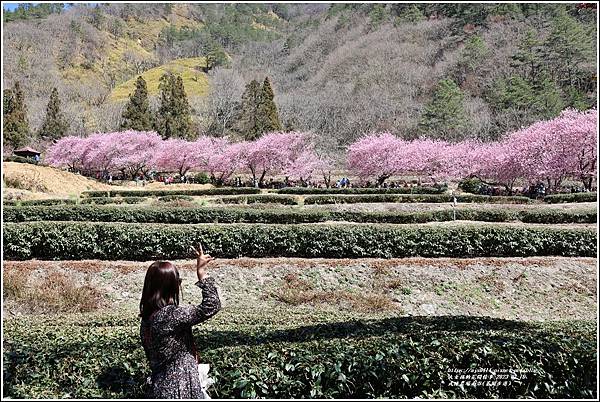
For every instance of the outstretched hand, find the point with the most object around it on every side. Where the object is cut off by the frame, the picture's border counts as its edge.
(202, 261)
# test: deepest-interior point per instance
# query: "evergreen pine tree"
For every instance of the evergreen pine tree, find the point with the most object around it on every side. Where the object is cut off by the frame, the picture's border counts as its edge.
(569, 46)
(247, 124)
(15, 125)
(411, 14)
(445, 116)
(267, 115)
(54, 126)
(174, 114)
(137, 114)
(181, 111)
(529, 59)
(164, 120)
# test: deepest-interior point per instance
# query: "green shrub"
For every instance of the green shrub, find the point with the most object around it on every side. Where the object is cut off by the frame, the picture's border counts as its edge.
(284, 216)
(112, 200)
(175, 197)
(201, 178)
(400, 198)
(252, 355)
(143, 242)
(159, 193)
(398, 190)
(95, 194)
(46, 202)
(554, 216)
(260, 198)
(571, 197)
(472, 185)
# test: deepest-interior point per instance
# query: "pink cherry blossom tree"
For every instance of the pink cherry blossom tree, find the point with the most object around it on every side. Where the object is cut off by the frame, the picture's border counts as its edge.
(176, 155)
(137, 151)
(69, 152)
(272, 153)
(378, 155)
(223, 160)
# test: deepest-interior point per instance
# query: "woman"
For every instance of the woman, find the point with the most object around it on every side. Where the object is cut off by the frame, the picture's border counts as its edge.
(166, 328)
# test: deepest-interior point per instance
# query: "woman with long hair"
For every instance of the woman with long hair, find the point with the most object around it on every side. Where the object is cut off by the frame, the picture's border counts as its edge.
(166, 328)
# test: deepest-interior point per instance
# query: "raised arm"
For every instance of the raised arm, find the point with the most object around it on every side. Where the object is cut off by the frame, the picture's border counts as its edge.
(192, 315)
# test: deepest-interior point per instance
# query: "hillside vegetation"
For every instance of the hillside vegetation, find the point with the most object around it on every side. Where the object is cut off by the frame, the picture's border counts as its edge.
(195, 81)
(438, 70)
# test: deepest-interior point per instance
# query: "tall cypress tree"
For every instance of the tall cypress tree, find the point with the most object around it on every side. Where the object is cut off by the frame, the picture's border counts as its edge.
(247, 123)
(137, 114)
(181, 111)
(268, 118)
(444, 116)
(164, 120)
(15, 126)
(174, 113)
(54, 126)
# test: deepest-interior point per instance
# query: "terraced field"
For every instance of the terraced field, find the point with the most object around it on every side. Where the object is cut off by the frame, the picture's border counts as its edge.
(512, 287)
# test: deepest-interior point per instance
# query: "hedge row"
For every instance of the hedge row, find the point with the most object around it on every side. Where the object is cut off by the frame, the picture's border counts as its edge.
(159, 193)
(144, 241)
(176, 197)
(572, 197)
(394, 358)
(46, 202)
(367, 198)
(284, 216)
(112, 200)
(398, 190)
(260, 198)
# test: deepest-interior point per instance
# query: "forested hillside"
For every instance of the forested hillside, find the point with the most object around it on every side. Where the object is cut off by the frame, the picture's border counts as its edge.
(449, 71)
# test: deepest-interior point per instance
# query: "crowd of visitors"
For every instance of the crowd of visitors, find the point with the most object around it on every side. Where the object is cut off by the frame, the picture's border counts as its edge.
(538, 190)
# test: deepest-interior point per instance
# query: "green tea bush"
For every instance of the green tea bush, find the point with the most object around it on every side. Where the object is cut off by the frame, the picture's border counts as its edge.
(176, 197)
(260, 198)
(284, 216)
(251, 356)
(160, 193)
(46, 202)
(144, 241)
(400, 198)
(398, 190)
(554, 216)
(112, 200)
(571, 197)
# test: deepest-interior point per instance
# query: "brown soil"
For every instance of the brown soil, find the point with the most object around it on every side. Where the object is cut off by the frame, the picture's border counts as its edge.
(26, 181)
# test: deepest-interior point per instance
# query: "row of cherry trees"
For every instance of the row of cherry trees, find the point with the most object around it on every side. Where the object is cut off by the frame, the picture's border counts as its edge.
(135, 153)
(548, 151)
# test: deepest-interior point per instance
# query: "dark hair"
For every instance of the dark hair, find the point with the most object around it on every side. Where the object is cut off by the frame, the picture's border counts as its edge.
(161, 288)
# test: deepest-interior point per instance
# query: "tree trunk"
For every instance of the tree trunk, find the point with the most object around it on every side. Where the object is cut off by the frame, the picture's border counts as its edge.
(262, 178)
(381, 179)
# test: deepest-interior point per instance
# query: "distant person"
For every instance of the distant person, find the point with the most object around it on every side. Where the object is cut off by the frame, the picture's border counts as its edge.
(110, 179)
(166, 328)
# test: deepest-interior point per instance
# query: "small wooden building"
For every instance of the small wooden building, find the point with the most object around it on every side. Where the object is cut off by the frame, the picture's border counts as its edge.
(27, 153)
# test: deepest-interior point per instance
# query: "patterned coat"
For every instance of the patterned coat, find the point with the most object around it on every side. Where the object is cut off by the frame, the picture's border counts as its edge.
(169, 345)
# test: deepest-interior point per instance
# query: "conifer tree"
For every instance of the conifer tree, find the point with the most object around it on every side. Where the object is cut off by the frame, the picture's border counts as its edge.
(445, 116)
(174, 114)
(15, 125)
(247, 124)
(181, 111)
(137, 114)
(55, 125)
(268, 117)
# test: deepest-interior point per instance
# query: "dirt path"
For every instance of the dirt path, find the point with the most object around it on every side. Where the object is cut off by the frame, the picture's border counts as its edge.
(544, 288)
